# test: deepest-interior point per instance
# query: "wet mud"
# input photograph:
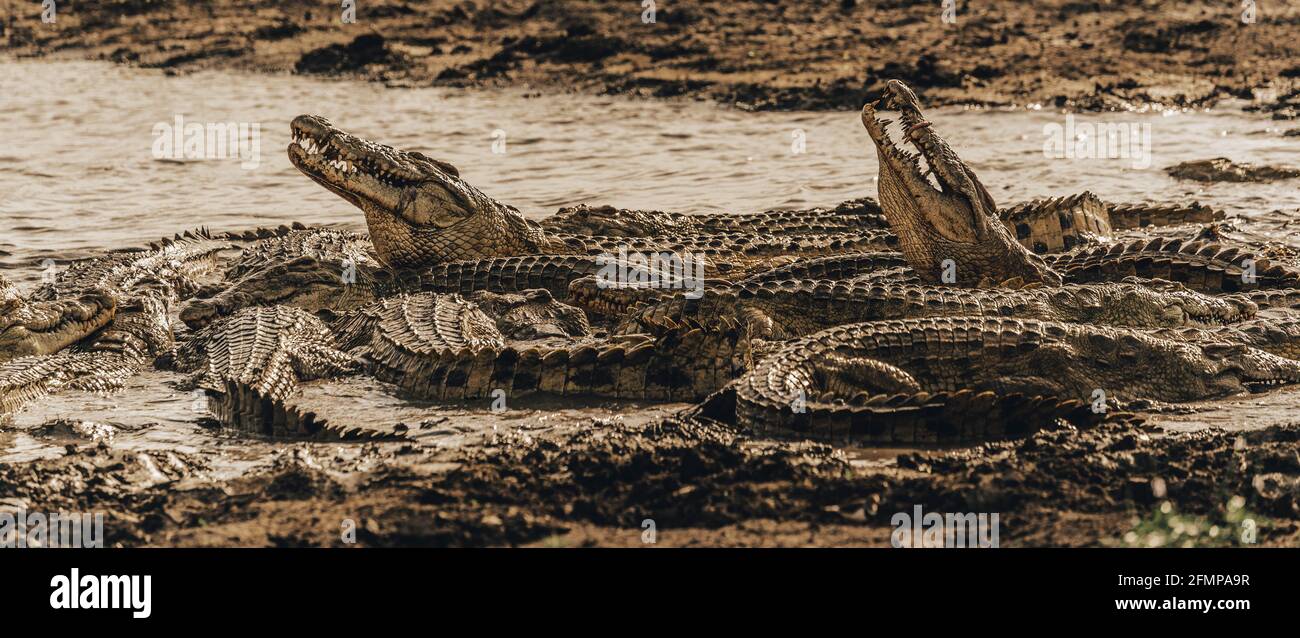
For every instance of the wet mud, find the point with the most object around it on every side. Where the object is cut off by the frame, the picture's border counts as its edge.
(555, 476)
(698, 481)
(787, 55)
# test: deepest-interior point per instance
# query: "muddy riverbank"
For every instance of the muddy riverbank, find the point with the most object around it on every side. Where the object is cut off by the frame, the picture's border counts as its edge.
(696, 484)
(80, 181)
(760, 55)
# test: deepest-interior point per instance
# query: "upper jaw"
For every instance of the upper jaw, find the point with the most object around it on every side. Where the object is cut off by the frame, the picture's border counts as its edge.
(357, 170)
(957, 207)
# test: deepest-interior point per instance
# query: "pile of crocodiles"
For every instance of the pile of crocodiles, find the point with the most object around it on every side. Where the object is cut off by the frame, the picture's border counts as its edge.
(932, 316)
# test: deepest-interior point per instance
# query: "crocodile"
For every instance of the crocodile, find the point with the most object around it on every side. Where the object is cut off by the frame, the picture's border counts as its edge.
(953, 231)
(1222, 169)
(33, 328)
(454, 295)
(332, 274)
(1062, 224)
(446, 347)
(856, 215)
(969, 379)
(788, 309)
(1204, 266)
(420, 211)
(138, 332)
(251, 364)
(1279, 336)
(141, 285)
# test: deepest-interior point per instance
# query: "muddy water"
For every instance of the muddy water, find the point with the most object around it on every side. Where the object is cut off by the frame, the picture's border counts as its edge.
(78, 175)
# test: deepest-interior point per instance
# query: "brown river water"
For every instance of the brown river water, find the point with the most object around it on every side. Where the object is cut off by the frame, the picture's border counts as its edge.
(78, 175)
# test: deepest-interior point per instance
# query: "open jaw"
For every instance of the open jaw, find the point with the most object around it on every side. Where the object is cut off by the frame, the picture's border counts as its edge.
(949, 225)
(419, 211)
(41, 328)
(958, 206)
(371, 175)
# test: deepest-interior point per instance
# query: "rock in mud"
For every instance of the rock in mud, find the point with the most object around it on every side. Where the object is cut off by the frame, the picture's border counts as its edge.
(354, 57)
(1222, 169)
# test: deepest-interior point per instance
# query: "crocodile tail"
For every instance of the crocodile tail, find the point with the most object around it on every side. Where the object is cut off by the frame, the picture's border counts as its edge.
(1058, 224)
(246, 408)
(1132, 216)
(1203, 266)
(962, 417)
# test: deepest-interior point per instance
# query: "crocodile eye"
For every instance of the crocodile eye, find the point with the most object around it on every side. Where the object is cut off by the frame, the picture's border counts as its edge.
(442, 166)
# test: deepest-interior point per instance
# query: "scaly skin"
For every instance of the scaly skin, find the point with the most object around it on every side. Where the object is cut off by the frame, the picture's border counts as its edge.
(420, 212)
(1279, 336)
(327, 270)
(1058, 224)
(845, 266)
(267, 349)
(958, 223)
(141, 285)
(849, 217)
(1135, 216)
(958, 380)
(139, 332)
(445, 347)
(1202, 266)
(45, 327)
(1067, 223)
(173, 262)
(796, 308)
(313, 269)
(251, 363)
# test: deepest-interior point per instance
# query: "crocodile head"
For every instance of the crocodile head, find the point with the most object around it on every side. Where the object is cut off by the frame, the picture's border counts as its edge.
(1152, 304)
(418, 209)
(1132, 364)
(45, 327)
(532, 314)
(954, 217)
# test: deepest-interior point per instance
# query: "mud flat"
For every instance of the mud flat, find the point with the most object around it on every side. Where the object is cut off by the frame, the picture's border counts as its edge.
(597, 482)
(782, 55)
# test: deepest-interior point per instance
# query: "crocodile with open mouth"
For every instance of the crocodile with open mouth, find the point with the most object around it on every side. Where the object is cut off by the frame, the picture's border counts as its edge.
(453, 295)
(420, 212)
(951, 229)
